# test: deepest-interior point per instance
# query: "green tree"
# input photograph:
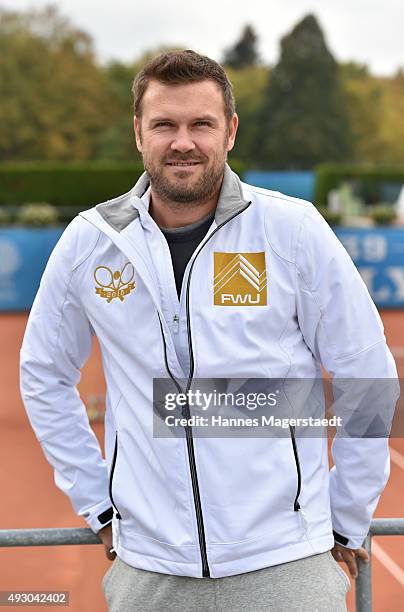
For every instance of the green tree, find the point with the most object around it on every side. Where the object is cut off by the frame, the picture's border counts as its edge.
(118, 141)
(364, 97)
(303, 119)
(375, 108)
(244, 52)
(248, 86)
(392, 125)
(55, 102)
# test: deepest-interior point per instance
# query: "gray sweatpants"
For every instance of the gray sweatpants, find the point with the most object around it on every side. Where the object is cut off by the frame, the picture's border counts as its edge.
(313, 584)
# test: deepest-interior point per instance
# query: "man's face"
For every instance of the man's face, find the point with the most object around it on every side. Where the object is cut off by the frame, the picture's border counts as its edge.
(184, 136)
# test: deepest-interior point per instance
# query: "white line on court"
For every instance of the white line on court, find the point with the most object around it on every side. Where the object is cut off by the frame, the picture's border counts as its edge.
(397, 458)
(390, 565)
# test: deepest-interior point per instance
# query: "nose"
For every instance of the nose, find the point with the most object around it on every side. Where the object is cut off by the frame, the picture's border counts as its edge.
(182, 141)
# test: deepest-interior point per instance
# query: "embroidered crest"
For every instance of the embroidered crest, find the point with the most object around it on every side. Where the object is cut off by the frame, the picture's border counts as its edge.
(116, 284)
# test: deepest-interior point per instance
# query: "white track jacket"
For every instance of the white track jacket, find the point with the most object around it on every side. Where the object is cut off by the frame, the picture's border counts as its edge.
(204, 506)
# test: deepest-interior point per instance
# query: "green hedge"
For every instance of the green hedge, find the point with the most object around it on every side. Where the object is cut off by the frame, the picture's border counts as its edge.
(238, 166)
(72, 184)
(65, 184)
(368, 180)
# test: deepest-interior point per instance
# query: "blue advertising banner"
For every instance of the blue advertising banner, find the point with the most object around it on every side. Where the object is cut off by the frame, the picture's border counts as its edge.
(378, 253)
(23, 256)
(295, 183)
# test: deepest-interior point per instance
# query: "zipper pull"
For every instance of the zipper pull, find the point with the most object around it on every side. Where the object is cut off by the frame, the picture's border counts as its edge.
(176, 323)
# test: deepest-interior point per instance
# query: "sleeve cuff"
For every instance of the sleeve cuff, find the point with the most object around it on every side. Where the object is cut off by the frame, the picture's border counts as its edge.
(100, 518)
(354, 542)
(340, 539)
(105, 517)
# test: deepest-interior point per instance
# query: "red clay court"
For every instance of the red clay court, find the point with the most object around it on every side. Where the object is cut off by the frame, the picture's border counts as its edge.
(31, 500)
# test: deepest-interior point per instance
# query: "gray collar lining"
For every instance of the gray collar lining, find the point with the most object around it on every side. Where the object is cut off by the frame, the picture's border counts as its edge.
(120, 212)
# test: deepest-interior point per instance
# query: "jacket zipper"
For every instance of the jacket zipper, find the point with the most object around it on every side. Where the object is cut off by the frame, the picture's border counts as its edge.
(192, 465)
(118, 516)
(190, 442)
(296, 505)
(186, 414)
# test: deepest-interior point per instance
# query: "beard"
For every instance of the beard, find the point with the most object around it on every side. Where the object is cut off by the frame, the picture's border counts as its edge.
(186, 190)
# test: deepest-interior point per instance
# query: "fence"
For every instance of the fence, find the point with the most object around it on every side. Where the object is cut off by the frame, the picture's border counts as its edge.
(388, 526)
(60, 537)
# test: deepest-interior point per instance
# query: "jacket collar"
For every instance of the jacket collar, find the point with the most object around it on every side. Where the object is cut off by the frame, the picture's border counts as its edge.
(119, 213)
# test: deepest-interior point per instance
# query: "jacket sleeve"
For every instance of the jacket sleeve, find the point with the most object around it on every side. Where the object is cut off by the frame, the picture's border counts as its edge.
(56, 344)
(343, 329)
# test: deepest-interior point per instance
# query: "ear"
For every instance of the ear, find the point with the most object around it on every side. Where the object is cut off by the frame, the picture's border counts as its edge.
(136, 126)
(232, 132)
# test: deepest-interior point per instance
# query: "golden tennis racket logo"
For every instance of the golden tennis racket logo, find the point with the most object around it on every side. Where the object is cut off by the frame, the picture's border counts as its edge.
(116, 284)
(240, 279)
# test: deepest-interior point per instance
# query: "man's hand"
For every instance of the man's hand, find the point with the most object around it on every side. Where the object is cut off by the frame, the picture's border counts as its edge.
(348, 556)
(105, 535)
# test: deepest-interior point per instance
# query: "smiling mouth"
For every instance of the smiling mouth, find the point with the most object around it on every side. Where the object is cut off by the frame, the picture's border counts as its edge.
(182, 164)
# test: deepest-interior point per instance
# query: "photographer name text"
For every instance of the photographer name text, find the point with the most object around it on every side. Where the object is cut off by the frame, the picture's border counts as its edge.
(263, 421)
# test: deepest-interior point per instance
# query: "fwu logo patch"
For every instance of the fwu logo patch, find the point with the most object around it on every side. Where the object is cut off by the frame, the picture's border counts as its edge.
(240, 279)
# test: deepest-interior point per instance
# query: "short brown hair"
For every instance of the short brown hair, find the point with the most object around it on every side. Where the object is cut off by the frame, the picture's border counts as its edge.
(176, 67)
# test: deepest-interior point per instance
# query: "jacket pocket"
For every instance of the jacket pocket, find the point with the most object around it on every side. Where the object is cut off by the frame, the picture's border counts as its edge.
(296, 504)
(341, 574)
(111, 476)
(107, 575)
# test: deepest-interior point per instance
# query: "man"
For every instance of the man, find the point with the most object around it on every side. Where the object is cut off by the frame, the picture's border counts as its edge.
(193, 274)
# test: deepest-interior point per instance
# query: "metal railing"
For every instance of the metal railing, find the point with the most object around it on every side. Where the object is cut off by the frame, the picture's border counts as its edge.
(387, 526)
(47, 537)
(66, 537)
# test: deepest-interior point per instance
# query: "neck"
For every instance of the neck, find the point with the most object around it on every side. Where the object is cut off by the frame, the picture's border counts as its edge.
(170, 214)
